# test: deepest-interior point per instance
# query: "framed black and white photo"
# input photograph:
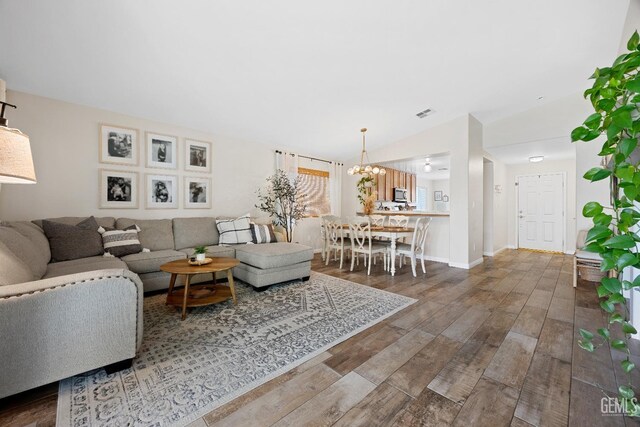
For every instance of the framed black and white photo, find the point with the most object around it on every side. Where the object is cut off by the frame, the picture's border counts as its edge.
(162, 191)
(118, 145)
(197, 156)
(162, 151)
(197, 193)
(437, 196)
(118, 189)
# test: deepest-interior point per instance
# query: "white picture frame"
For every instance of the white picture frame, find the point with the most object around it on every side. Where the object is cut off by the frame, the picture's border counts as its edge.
(162, 151)
(118, 145)
(197, 192)
(161, 191)
(118, 189)
(198, 156)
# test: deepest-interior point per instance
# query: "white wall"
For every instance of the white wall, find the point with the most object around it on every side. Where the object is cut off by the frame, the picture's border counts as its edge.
(499, 206)
(443, 185)
(65, 139)
(567, 166)
(487, 205)
(475, 191)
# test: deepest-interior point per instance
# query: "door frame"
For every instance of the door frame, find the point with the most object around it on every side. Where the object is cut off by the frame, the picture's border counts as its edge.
(564, 206)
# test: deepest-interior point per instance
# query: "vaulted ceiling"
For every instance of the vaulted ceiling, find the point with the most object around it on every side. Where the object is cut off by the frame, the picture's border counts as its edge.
(307, 75)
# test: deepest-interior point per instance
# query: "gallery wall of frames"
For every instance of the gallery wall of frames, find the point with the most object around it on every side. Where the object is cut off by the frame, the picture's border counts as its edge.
(177, 171)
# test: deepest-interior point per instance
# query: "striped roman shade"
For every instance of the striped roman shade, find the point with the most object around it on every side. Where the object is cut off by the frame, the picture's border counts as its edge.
(263, 233)
(121, 242)
(234, 231)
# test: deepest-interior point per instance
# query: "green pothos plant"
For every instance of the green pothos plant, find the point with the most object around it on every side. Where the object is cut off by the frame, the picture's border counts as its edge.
(364, 186)
(615, 96)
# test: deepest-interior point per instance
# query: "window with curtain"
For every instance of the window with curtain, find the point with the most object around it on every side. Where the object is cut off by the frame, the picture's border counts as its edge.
(421, 198)
(315, 185)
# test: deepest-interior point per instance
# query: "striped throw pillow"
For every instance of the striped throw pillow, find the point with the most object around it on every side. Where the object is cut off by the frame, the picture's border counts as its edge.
(234, 231)
(263, 233)
(121, 242)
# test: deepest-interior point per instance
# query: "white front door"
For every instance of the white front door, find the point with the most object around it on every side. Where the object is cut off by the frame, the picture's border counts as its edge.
(541, 212)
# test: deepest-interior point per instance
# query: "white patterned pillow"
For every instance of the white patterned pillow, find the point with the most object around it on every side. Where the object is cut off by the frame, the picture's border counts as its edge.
(121, 242)
(263, 233)
(234, 231)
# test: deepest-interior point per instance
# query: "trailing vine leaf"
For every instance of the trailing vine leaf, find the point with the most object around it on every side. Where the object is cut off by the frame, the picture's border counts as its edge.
(615, 97)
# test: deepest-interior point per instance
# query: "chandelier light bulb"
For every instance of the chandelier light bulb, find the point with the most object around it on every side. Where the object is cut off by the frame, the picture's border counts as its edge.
(356, 169)
(350, 171)
(383, 171)
(375, 170)
(368, 168)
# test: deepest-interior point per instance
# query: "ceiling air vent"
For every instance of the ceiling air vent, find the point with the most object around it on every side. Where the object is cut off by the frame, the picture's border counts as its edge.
(425, 113)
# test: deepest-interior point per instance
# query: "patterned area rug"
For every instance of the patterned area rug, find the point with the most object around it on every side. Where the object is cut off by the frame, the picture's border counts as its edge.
(186, 369)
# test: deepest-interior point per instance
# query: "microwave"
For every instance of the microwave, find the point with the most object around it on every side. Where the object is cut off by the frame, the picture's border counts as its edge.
(399, 194)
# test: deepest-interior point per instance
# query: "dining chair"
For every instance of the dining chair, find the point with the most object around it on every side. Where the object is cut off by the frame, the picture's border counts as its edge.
(323, 232)
(361, 243)
(334, 237)
(377, 220)
(416, 248)
(399, 221)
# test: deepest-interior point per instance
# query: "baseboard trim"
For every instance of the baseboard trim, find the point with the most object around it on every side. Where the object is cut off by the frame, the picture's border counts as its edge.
(436, 259)
(570, 252)
(511, 247)
(496, 252)
(466, 266)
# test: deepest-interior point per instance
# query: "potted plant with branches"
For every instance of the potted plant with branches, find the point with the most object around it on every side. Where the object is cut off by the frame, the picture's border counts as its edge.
(283, 201)
(615, 96)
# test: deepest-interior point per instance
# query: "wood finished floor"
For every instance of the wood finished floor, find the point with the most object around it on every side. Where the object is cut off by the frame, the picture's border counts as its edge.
(491, 346)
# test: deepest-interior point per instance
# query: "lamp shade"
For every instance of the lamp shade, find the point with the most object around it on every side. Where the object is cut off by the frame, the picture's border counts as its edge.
(16, 163)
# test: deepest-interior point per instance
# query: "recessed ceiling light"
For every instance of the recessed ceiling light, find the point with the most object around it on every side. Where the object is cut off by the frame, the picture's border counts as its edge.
(536, 159)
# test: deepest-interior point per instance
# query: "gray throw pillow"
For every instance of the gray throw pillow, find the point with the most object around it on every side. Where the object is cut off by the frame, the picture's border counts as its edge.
(68, 242)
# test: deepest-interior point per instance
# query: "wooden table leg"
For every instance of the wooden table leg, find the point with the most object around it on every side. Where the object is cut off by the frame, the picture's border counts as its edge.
(231, 287)
(187, 281)
(172, 282)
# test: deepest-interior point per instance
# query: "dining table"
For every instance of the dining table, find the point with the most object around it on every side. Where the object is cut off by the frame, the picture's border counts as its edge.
(393, 234)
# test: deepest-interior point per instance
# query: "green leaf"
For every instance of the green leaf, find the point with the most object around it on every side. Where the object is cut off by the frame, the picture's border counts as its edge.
(586, 345)
(616, 299)
(594, 247)
(627, 366)
(586, 334)
(612, 284)
(602, 219)
(604, 333)
(628, 328)
(627, 145)
(578, 133)
(618, 344)
(607, 306)
(602, 291)
(598, 232)
(626, 392)
(622, 119)
(623, 241)
(625, 172)
(593, 121)
(591, 209)
(597, 174)
(626, 260)
(606, 104)
(616, 318)
(633, 85)
(632, 44)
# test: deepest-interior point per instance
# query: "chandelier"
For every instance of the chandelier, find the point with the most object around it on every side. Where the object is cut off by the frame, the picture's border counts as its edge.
(363, 168)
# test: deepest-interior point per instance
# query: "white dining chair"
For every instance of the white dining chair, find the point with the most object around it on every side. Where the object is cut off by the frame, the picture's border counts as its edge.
(334, 235)
(417, 246)
(399, 221)
(361, 243)
(323, 232)
(377, 220)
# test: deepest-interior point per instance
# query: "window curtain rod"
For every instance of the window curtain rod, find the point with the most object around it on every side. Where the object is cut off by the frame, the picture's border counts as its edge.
(310, 158)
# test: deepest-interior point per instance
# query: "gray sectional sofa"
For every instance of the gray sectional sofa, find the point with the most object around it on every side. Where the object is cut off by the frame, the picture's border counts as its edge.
(64, 318)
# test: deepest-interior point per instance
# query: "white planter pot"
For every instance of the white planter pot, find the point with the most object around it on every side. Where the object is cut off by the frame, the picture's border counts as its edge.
(200, 257)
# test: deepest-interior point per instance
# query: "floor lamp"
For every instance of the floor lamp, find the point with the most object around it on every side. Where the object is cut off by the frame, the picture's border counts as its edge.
(16, 162)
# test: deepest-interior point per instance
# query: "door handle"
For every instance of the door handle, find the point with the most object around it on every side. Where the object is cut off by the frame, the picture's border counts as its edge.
(521, 216)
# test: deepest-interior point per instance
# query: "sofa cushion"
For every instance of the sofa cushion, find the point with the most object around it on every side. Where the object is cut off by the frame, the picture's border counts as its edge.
(107, 221)
(24, 248)
(12, 269)
(82, 265)
(155, 234)
(214, 251)
(149, 262)
(35, 234)
(69, 242)
(192, 232)
(235, 230)
(270, 255)
(121, 242)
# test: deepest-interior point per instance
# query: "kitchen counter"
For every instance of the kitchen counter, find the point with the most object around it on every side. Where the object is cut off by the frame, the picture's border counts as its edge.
(409, 213)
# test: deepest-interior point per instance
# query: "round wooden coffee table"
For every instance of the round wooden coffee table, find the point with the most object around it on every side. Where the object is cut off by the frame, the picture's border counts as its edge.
(204, 294)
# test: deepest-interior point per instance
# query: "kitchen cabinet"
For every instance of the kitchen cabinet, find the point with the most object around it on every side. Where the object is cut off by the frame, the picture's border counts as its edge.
(396, 178)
